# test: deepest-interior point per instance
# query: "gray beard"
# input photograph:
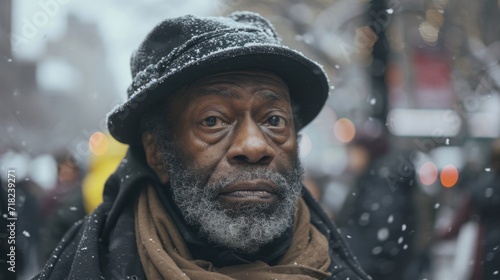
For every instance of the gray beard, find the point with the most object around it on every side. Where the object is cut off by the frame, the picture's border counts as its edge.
(251, 226)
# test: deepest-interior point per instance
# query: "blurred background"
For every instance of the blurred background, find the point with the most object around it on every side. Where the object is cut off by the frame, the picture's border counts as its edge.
(404, 157)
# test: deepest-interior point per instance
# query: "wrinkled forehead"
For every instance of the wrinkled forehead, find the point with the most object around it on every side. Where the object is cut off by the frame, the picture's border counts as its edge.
(266, 83)
(243, 77)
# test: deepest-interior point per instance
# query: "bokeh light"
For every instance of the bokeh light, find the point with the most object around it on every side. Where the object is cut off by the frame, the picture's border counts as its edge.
(98, 143)
(449, 176)
(428, 173)
(344, 130)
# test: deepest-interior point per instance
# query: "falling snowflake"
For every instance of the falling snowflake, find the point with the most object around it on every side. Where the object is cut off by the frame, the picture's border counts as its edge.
(488, 192)
(390, 219)
(377, 250)
(383, 234)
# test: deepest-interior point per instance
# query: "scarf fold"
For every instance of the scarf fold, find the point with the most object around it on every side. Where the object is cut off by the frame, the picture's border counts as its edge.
(164, 254)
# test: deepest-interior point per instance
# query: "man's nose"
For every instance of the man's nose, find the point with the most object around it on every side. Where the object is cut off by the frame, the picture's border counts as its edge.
(250, 145)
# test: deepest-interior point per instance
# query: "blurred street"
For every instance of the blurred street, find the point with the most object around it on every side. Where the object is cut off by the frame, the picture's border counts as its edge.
(404, 157)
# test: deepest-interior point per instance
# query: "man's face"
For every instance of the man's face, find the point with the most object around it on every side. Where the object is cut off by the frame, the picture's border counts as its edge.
(231, 158)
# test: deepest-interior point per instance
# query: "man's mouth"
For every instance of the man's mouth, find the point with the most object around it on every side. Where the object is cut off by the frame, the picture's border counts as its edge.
(256, 191)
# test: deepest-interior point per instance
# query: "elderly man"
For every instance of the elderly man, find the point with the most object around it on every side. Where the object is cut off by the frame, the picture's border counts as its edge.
(211, 185)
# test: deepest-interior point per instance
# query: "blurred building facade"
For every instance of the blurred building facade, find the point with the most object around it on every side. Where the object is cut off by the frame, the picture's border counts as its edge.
(57, 100)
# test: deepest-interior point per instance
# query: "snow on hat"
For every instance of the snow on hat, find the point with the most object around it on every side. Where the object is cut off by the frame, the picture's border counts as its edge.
(181, 50)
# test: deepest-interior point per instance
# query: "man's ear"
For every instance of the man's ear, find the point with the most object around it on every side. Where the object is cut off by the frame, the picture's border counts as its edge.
(153, 157)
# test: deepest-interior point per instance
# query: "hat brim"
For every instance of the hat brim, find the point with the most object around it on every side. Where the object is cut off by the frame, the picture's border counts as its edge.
(307, 82)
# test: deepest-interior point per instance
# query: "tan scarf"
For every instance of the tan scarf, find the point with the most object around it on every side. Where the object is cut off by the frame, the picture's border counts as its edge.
(164, 255)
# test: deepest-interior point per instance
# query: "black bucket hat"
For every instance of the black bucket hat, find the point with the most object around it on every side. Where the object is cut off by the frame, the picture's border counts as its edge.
(182, 50)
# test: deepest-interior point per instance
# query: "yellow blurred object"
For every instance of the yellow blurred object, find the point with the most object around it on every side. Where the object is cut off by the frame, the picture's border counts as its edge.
(100, 168)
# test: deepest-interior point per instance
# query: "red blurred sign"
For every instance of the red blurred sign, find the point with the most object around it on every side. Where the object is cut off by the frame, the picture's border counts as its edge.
(432, 86)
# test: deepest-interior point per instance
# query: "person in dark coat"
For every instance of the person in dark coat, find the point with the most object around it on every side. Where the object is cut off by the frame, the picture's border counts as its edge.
(210, 187)
(24, 219)
(485, 200)
(379, 216)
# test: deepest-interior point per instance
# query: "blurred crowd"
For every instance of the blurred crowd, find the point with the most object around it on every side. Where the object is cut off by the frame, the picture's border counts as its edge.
(400, 225)
(45, 213)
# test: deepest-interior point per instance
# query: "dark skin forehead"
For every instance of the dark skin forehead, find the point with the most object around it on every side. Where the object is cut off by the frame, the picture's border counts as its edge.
(274, 88)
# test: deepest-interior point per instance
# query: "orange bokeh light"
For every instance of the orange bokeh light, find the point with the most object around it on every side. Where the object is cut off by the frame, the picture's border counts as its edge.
(428, 173)
(344, 130)
(98, 143)
(449, 176)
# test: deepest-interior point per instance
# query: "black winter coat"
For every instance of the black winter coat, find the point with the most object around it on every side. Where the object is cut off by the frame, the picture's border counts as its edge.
(485, 195)
(380, 217)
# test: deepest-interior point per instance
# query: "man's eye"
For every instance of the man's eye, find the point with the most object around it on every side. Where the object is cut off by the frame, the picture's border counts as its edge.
(276, 121)
(210, 121)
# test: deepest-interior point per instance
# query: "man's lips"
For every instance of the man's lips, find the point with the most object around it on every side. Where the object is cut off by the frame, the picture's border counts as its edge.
(249, 191)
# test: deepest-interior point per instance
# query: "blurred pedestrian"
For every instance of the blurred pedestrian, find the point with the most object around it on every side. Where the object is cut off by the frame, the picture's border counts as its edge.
(69, 178)
(61, 206)
(485, 198)
(476, 217)
(379, 215)
(78, 202)
(27, 226)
